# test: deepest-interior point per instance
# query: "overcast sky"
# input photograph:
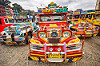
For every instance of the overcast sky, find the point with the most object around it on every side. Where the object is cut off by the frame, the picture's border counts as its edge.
(72, 4)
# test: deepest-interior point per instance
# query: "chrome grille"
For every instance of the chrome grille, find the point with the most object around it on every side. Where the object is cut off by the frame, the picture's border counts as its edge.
(54, 40)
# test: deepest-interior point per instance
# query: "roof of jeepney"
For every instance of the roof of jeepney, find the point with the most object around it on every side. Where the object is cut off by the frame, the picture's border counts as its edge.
(51, 13)
(2, 17)
(54, 26)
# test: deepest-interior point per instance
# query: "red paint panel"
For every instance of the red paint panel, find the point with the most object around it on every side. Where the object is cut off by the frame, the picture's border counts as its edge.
(54, 48)
(36, 52)
(74, 56)
(74, 52)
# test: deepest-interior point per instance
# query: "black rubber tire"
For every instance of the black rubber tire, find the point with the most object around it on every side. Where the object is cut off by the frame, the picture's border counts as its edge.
(29, 58)
(12, 37)
(4, 37)
(30, 34)
(99, 32)
(26, 41)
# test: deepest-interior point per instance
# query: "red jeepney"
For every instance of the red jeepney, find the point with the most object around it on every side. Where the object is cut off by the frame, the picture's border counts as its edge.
(54, 41)
(4, 23)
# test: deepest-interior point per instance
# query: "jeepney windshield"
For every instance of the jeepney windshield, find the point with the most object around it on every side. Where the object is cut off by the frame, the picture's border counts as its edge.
(11, 21)
(22, 20)
(58, 17)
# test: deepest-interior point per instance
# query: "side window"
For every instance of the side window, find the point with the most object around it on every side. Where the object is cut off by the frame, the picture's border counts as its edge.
(6, 21)
(0, 21)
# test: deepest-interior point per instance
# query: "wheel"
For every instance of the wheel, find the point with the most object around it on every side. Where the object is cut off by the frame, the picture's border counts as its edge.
(30, 34)
(4, 36)
(12, 36)
(26, 40)
(29, 58)
(99, 32)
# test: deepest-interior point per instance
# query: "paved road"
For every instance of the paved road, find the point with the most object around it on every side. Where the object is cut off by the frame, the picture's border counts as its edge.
(18, 55)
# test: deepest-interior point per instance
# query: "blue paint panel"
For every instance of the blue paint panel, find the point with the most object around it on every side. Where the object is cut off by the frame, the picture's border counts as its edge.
(33, 24)
(7, 29)
(39, 11)
(17, 30)
(27, 24)
(17, 24)
(21, 39)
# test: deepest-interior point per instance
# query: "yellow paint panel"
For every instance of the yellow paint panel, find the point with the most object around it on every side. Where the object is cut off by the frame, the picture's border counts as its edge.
(35, 41)
(37, 54)
(73, 55)
(55, 56)
(53, 25)
(45, 39)
(34, 58)
(74, 41)
(88, 32)
(52, 3)
(95, 34)
(63, 39)
(76, 59)
(78, 35)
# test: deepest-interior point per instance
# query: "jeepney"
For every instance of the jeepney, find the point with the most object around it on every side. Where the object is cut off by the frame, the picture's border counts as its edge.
(54, 41)
(82, 24)
(87, 28)
(14, 33)
(93, 16)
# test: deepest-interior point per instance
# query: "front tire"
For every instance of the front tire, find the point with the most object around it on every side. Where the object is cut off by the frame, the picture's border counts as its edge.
(99, 32)
(26, 40)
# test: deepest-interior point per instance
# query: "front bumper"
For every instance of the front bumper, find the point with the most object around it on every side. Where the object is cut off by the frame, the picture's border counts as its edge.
(16, 41)
(65, 56)
(88, 33)
(74, 59)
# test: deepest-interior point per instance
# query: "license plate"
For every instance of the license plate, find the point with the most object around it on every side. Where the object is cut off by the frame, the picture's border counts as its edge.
(54, 56)
(88, 32)
(8, 39)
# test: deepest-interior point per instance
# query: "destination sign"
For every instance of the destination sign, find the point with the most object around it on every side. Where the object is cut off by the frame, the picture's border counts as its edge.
(53, 8)
(53, 11)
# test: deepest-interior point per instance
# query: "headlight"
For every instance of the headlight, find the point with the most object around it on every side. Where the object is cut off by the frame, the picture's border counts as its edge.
(96, 28)
(18, 29)
(66, 34)
(6, 29)
(51, 49)
(42, 35)
(90, 24)
(59, 49)
(79, 24)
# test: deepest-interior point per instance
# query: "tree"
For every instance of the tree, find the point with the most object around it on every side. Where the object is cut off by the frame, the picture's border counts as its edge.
(5, 2)
(17, 7)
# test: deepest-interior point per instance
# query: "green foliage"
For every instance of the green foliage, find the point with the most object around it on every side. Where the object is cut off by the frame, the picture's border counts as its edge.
(22, 13)
(17, 7)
